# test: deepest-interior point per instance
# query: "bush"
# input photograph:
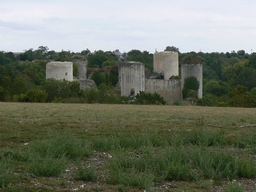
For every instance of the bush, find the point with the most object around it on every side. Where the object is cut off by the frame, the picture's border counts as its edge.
(191, 86)
(177, 103)
(47, 166)
(57, 146)
(37, 95)
(86, 174)
(144, 98)
(207, 100)
(217, 88)
(6, 175)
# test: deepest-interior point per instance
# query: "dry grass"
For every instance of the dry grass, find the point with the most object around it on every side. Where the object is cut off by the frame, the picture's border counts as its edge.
(24, 124)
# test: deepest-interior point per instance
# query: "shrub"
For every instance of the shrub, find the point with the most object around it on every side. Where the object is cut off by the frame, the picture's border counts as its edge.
(149, 98)
(47, 166)
(177, 103)
(207, 100)
(6, 175)
(233, 187)
(86, 174)
(37, 95)
(191, 86)
(65, 144)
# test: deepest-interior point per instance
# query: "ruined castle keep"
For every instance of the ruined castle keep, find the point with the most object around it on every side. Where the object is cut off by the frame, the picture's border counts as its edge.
(131, 78)
(165, 81)
(166, 62)
(64, 71)
(59, 70)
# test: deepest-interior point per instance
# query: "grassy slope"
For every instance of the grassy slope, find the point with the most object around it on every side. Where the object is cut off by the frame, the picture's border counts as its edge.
(103, 135)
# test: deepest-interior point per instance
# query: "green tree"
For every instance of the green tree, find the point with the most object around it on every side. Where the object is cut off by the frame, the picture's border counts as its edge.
(2, 93)
(144, 98)
(252, 62)
(241, 53)
(10, 56)
(190, 88)
(64, 56)
(239, 97)
(21, 84)
(98, 78)
(37, 95)
(218, 88)
(6, 83)
(75, 70)
(28, 55)
(144, 57)
(171, 48)
(109, 63)
(61, 90)
(98, 58)
(253, 91)
(247, 77)
(135, 55)
(192, 59)
(41, 53)
(85, 52)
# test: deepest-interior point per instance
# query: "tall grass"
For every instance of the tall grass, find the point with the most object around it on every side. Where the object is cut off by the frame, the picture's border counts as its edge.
(85, 173)
(48, 166)
(6, 173)
(62, 144)
(187, 164)
(150, 146)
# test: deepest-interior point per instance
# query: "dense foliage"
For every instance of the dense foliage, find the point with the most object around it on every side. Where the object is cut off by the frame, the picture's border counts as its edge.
(149, 99)
(22, 76)
(191, 86)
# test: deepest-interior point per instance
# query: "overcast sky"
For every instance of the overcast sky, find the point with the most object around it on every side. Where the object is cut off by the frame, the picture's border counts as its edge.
(75, 25)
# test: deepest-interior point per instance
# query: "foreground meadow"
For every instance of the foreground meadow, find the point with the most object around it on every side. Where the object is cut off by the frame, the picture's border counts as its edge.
(83, 147)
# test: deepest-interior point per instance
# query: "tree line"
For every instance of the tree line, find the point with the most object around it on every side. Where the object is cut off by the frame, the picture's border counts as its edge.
(229, 79)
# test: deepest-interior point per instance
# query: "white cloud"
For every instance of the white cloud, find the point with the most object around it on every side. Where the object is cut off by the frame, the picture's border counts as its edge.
(146, 25)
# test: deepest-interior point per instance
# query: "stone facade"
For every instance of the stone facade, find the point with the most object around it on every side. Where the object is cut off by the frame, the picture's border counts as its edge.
(166, 62)
(170, 89)
(86, 83)
(131, 78)
(59, 70)
(81, 65)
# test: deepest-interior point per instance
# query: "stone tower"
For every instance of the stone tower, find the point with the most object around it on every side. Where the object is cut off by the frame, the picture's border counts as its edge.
(59, 70)
(131, 78)
(195, 70)
(166, 62)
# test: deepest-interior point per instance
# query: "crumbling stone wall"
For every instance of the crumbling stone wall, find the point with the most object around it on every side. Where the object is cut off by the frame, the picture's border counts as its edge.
(87, 83)
(170, 90)
(59, 70)
(81, 65)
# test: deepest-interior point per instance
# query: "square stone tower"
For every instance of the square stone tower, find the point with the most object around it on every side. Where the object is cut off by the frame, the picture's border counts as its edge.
(131, 78)
(59, 70)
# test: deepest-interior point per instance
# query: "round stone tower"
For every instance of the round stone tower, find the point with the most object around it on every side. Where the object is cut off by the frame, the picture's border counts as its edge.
(195, 70)
(166, 62)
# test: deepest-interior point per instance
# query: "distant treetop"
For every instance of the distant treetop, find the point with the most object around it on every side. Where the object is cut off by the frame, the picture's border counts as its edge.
(192, 59)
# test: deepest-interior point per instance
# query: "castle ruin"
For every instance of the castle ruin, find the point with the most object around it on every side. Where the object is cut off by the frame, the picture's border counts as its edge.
(59, 70)
(133, 77)
(165, 80)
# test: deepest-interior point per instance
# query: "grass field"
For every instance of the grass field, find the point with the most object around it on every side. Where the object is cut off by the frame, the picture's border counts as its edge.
(82, 147)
